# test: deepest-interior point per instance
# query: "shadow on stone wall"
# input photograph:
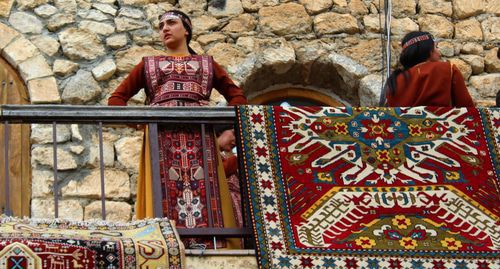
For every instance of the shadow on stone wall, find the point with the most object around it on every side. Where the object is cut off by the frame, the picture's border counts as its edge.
(331, 74)
(319, 75)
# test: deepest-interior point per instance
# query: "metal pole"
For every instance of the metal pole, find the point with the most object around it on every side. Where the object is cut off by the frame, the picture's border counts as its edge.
(388, 12)
(56, 189)
(155, 170)
(208, 186)
(387, 50)
(101, 168)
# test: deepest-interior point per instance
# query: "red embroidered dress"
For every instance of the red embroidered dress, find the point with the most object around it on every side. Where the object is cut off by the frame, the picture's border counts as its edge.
(178, 81)
(182, 81)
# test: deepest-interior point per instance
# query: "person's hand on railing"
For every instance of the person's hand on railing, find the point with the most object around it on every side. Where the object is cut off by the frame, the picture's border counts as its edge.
(203, 102)
(138, 127)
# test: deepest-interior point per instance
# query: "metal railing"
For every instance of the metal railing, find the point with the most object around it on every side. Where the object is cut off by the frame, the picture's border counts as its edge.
(153, 117)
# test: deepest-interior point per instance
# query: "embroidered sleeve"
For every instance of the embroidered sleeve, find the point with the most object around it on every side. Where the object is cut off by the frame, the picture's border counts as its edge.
(130, 86)
(225, 85)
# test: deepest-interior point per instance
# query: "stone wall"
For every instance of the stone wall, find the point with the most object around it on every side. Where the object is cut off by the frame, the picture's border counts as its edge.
(78, 51)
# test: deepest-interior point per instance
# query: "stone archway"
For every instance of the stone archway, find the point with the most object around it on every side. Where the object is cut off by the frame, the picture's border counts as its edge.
(332, 75)
(264, 65)
(28, 79)
(29, 62)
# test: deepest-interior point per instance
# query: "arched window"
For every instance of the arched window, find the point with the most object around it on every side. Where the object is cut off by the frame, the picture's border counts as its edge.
(295, 97)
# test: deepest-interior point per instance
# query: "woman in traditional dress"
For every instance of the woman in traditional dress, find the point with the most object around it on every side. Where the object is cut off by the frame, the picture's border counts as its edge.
(425, 80)
(181, 78)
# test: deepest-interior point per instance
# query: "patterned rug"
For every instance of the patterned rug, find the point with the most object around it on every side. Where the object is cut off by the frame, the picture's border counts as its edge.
(373, 187)
(30, 244)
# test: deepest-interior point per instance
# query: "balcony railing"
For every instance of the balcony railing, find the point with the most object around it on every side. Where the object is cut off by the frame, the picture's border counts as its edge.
(102, 115)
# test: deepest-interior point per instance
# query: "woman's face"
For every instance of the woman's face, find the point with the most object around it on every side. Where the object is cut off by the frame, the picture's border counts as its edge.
(435, 54)
(172, 32)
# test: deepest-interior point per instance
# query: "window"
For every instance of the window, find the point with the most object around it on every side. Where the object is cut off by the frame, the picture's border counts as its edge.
(295, 97)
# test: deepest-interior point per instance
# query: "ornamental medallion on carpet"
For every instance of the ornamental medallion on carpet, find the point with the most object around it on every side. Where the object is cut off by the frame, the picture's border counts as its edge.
(373, 187)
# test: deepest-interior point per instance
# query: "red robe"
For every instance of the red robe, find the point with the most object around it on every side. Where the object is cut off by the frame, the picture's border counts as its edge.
(431, 84)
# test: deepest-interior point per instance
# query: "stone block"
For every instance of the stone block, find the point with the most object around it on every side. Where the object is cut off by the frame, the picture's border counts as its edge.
(115, 211)
(8, 34)
(316, 6)
(128, 152)
(436, 7)
(401, 27)
(42, 133)
(285, 19)
(241, 24)
(80, 44)
(369, 90)
(46, 44)
(64, 67)
(15, 56)
(126, 60)
(464, 68)
(26, 23)
(68, 209)
(44, 155)
(117, 41)
(476, 63)
(104, 70)
(42, 183)
(486, 85)
(117, 185)
(5, 8)
(438, 26)
(44, 91)
(491, 29)
(81, 89)
(60, 20)
(491, 61)
(255, 5)
(333, 23)
(465, 8)
(468, 30)
(35, 67)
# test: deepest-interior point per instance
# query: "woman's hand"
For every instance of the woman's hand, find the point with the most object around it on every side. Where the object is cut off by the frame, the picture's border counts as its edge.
(203, 102)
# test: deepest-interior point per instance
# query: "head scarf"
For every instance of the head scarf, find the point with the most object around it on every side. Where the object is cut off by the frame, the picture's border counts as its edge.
(416, 40)
(176, 15)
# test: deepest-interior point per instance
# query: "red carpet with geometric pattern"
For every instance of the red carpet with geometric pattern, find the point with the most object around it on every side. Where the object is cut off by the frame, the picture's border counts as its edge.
(373, 187)
(58, 244)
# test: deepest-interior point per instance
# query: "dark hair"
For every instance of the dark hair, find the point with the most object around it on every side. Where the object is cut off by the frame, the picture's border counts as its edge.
(412, 55)
(219, 129)
(187, 26)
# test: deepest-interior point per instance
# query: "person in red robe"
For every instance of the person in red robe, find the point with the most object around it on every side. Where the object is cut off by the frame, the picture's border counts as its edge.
(181, 78)
(425, 80)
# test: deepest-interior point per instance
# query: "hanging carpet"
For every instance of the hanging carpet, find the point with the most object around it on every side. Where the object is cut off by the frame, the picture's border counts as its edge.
(373, 187)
